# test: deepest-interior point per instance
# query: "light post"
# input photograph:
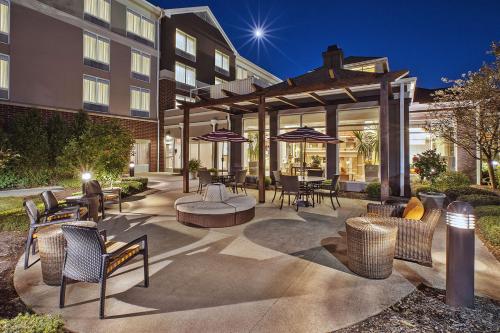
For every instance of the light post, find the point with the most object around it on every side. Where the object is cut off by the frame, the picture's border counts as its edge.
(131, 169)
(460, 254)
(86, 176)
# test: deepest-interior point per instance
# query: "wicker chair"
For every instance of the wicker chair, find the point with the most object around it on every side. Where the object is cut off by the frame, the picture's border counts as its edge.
(37, 220)
(93, 187)
(57, 211)
(414, 241)
(329, 190)
(240, 180)
(204, 178)
(277, 182)
(88, 258)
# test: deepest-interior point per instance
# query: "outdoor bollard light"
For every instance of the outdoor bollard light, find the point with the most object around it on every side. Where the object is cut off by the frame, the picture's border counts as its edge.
(86, 176)
(131, 169)
(460, 254)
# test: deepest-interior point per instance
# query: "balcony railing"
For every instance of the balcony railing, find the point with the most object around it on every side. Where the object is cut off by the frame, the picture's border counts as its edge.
(238, 87)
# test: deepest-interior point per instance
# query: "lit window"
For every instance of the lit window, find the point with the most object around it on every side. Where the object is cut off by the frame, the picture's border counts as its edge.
(4, 76)
(140, 64)
(185, 43)
(98, 8)
(365, 68)
(4, 17)
(219, 81)
(241, 73)
(95, 48)
(221, 60)
(95, 90)
(185, 74)
(183, 98)
(140, 26)
(139, 102)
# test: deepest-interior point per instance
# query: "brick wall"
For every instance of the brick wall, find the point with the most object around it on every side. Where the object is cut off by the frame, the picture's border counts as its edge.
(140, 129)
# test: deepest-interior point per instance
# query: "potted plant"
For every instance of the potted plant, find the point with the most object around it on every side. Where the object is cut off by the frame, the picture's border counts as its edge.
(193, 166)
(253, 153)
(429, 165)
(367, 146)
(316, 162)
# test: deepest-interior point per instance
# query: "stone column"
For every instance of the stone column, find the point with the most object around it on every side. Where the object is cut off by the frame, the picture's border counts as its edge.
(235, 147)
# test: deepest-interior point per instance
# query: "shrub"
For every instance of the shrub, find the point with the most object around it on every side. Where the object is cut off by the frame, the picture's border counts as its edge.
(429, 165)
(373, 191)
(451, 179)
(142, 180)
(480, 199)
(130, 187)
(487, 211)
(32, 323)
(490, 229)
(454, 192)
(267, 181)
(8, 179)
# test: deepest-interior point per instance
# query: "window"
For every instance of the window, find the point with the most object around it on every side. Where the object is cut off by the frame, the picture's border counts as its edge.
(221, 60)
(139, 102)
(219, 81)
(364, 68)
(4, 20)
(140, 26)
(140, 65)
(241, 73)
(95, 50)
(4, 76)
(95, 93)
(185, 43)
(183, 99)
(185, 74)
(100, 9)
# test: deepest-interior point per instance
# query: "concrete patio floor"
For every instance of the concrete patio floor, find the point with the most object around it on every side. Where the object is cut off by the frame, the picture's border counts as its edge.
(282, 272)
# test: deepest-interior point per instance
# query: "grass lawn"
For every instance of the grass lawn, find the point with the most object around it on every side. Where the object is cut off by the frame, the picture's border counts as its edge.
(12, 214)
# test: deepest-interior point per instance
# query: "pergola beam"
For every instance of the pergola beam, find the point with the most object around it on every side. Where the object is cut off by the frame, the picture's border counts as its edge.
(228, 93)
(287, 101)
(241, 108)
(317, 98)
(349, 93)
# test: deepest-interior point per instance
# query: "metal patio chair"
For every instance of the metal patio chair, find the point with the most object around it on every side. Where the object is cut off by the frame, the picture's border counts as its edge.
(292, 186)
(57, 211)
(204, 178)
(329, 190)
(277, 182)
(240, 180)
(89, 258)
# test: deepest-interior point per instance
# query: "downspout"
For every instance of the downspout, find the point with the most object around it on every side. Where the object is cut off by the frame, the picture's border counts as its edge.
(402, 140)
(159, 140)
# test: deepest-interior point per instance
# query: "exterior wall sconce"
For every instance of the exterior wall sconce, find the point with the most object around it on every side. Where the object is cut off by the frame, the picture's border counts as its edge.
(460, 253)
(131, 169)
(86, 176)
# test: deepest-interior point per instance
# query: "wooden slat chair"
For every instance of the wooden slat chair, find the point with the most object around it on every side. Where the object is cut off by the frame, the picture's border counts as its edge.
(57, 211)
(89, 258)
(37, 220)
(93, 187)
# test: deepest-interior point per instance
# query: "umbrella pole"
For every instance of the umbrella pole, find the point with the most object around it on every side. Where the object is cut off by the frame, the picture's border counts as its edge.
(304, 159)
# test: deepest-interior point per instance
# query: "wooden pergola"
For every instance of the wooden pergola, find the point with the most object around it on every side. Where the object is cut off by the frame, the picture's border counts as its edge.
(324, 87)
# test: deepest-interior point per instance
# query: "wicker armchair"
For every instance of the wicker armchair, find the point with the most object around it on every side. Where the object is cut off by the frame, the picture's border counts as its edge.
(105, 195)
(57, 211)
(89, 258)
(37, 220)
(414, 241)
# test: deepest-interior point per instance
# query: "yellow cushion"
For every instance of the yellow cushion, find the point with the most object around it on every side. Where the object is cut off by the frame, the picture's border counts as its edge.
(110, 196)
(414, 210)
(67, 215)
(112, 246)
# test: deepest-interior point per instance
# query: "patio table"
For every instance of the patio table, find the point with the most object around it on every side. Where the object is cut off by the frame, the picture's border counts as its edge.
(91, 201)
(223, 178)
(309, 181)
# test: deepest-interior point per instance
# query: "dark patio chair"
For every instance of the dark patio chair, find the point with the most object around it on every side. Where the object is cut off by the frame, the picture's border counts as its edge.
(88, 258)
(204, 178)
(329, 190)
(93, 187)
(291, 186)
(239, 181)
(277, 182)
(37, 220)
(57, 211)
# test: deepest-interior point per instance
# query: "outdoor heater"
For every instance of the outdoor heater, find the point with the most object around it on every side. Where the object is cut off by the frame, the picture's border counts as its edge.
(460, 254)
(131, 169)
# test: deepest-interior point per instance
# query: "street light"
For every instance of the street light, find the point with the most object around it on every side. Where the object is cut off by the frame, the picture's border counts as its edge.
(460, 222)
(131, 169)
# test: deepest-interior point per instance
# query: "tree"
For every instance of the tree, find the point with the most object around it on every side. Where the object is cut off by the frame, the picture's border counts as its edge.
(57, 136)
(102, 149)
(470, 113)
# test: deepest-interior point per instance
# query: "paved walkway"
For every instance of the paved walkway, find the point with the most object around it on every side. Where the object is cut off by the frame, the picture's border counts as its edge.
(281, 272)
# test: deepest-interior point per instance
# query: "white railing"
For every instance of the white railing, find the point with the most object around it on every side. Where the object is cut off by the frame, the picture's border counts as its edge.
(238, 87)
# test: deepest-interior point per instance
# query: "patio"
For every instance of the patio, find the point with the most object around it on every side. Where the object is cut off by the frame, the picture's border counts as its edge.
(283, 271)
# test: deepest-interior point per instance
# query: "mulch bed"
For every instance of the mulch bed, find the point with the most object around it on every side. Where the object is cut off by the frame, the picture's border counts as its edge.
(11, 247)
(425, 310)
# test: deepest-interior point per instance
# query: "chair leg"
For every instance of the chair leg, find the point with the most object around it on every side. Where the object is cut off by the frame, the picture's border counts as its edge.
(62, 293)
(337, 197)
(282, 199)
(244, 187)
(288, 199)
(296, 203)
(34, 244)
(275, 191)
(331, 200)
(120, 203)
(102, 287)
(29, 244)
(146, 267)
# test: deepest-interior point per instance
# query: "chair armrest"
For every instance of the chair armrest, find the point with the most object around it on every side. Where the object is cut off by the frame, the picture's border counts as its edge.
(45, 224)
(104, 235)
(383, 210)
(143, 240)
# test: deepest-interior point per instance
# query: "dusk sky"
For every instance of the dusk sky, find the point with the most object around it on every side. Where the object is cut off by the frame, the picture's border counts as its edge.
(430, 38)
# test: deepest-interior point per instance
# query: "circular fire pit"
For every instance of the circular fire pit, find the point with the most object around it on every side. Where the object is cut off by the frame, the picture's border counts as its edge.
(216, 209)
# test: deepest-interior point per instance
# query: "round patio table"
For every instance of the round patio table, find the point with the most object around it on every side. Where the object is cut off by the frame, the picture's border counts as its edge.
(308, 181)
(91, 201)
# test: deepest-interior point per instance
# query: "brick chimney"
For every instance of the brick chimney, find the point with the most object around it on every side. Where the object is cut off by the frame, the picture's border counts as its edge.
(333, 57)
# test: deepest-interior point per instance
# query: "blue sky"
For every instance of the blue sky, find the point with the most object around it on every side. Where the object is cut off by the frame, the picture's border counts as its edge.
(432, 39)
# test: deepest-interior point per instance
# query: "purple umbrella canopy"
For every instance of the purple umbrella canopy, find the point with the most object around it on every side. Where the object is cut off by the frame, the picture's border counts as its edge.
(222, 135)
(306, 134)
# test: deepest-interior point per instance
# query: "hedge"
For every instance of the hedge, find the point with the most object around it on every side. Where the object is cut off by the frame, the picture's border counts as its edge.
(487, 211)
(32, 323)
(480, 199)
(490, 229)
(455, 192)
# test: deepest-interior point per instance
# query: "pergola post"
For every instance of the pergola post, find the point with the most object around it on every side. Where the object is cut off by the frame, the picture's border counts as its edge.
(384, 140)
(262, 131)
(332, 129)
(273, 145)
(185, 151)
(235, 147)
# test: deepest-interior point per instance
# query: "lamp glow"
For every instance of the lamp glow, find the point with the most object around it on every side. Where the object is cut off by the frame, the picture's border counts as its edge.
(86, 176)
(460, 214)
(131, 165)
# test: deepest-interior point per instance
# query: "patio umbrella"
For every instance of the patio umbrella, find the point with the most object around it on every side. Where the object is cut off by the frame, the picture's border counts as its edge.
(303, 135)
(222, 135)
